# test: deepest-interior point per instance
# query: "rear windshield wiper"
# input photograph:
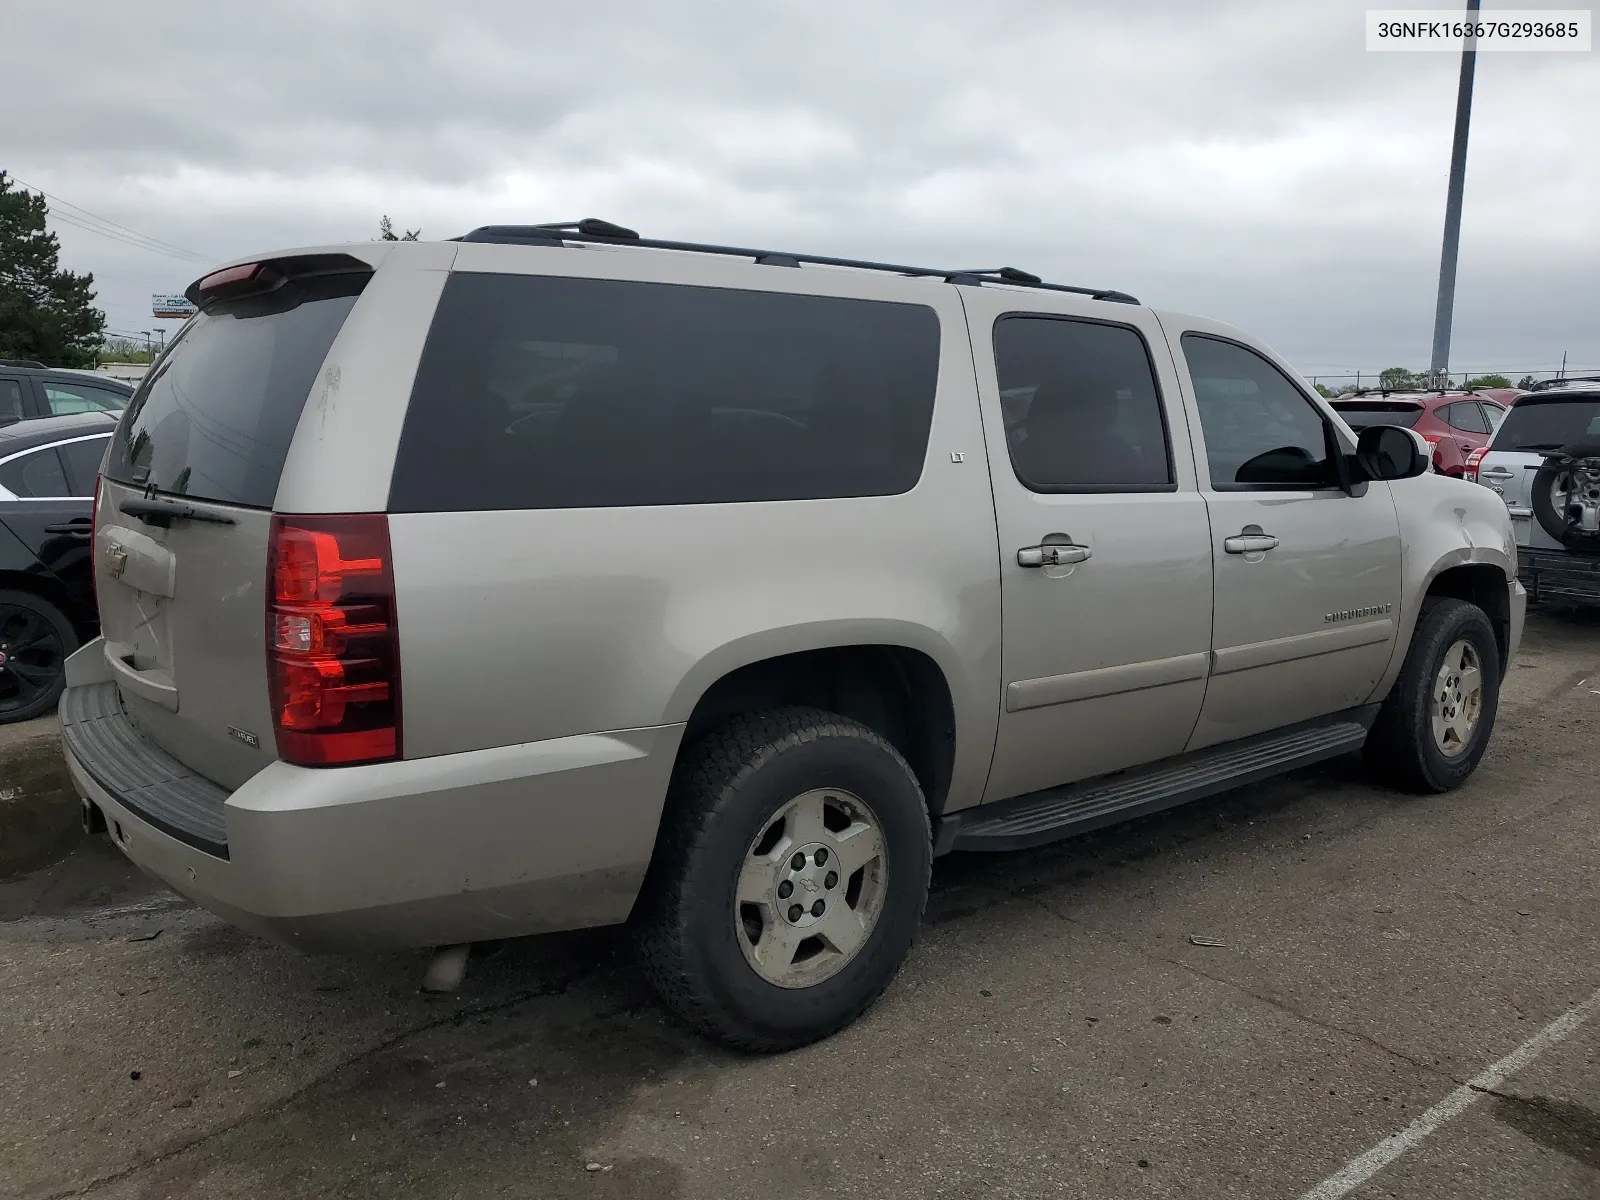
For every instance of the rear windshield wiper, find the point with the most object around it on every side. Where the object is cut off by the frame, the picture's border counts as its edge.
(1540, 445)
(162, 513)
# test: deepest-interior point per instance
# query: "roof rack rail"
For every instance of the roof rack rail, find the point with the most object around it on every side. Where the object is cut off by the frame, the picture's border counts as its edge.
(1563, 381)
(592, 229)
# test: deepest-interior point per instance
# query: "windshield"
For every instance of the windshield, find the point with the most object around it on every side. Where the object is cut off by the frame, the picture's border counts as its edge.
(215, 417)
(1359, 416)
(1549, 423)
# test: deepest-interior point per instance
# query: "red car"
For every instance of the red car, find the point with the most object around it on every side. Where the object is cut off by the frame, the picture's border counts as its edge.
(1454, 423)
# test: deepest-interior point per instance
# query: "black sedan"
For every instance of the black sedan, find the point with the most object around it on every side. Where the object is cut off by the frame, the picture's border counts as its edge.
(47, 479)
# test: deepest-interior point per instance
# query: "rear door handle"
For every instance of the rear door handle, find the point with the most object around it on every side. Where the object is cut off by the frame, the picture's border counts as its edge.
(1052, 556)
(1249, 543)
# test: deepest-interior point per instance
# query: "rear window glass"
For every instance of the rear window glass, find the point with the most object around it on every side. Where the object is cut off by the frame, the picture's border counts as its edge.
(538, 392)
(1359, 416)
(1549, 424)
(215, 418)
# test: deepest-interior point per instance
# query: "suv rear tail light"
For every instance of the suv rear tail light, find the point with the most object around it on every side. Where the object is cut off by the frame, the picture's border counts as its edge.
(1433, 440)
(333, 651)
(1470, 472)
(94, 559)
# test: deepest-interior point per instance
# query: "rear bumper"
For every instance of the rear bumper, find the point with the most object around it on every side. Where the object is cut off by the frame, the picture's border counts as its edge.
(464, 847)
(1559, 575)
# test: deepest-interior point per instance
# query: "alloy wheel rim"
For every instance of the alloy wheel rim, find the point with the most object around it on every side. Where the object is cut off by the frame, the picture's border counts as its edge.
(32, 656)
(1457, 700)
(811, 888)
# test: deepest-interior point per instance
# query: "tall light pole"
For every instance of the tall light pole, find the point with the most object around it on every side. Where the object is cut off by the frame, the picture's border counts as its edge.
(1452, 208)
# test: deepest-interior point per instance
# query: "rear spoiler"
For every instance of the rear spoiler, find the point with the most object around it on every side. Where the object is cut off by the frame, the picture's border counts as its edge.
(268, 275)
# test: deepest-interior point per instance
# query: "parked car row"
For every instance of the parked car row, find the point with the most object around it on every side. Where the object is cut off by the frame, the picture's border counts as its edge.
(1454, 424)
(1539, 451)
(1544, 461)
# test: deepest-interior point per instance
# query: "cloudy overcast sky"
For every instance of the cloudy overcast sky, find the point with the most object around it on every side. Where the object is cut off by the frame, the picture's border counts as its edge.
(1245, 159)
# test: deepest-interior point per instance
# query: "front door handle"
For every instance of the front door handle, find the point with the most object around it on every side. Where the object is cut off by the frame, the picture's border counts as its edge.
(1249, 543)
(80, 527)
(1052, 556)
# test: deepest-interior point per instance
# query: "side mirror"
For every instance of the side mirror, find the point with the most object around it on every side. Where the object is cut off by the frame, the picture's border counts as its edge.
(1391, 452)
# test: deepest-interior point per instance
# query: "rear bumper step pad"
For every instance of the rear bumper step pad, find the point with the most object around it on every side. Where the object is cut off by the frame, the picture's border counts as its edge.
(145, 778)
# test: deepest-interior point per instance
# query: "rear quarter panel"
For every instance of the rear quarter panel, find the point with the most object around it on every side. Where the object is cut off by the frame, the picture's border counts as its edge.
(520, 626)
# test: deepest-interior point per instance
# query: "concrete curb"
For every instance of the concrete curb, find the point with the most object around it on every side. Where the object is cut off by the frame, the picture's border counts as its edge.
(38, 804)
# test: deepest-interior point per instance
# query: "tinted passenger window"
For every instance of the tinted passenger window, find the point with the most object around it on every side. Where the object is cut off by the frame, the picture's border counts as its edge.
(64, 398)
(83, 463)
(1081, 407)
(576, 393)
(1465, 416)
(10, 401)
(215, 419)
(35, 476)
(1260, 430)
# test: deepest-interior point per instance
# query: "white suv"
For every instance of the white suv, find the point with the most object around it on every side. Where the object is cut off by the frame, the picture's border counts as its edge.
(1544, 461)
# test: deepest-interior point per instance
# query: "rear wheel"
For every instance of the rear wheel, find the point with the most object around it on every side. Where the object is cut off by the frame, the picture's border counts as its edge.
(788, 880)
(1435, 723)
(35, 639)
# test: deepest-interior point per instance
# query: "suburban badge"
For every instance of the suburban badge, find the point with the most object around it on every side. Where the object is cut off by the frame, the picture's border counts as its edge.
(1356, 614)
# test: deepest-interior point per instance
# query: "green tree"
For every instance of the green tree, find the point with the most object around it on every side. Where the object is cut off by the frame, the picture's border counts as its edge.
(386, 231)
(1397, 379)
(126, 350)
(46, 314)
(1489, 381)
(1323, 391)
(1525, 382)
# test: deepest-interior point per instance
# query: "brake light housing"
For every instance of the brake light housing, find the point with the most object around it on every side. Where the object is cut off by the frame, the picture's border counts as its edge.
(333, 647)
(1470, 471)
(94, 558)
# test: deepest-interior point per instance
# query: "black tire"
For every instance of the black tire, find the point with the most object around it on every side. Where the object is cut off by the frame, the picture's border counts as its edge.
(35, 639)
(1402, 748)
(1566, 460)
(725, 790)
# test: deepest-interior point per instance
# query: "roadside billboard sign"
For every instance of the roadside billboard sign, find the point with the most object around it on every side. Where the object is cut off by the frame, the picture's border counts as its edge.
(170, 307)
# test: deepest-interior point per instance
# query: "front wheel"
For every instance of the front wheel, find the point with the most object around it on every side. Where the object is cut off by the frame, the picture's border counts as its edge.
(1435, 725)
(788, 880)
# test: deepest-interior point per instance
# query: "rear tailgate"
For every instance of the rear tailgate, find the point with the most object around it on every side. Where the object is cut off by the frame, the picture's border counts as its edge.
(183, 597)
(1510, 473)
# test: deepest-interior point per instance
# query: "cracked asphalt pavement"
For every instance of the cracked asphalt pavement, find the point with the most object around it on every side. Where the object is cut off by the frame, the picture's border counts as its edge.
(1055, 1033)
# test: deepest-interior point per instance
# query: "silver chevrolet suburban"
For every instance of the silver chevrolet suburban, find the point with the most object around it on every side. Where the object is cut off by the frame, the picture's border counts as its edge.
(554, 577)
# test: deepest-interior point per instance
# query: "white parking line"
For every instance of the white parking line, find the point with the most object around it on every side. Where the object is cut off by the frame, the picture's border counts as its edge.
(1358, 1170)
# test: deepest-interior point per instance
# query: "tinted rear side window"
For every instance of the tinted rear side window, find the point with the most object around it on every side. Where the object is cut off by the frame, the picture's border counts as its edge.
(1549, 424)
(83, 464)
(539, 392)
(1081, 407)
(215, 418)
(35, 476)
